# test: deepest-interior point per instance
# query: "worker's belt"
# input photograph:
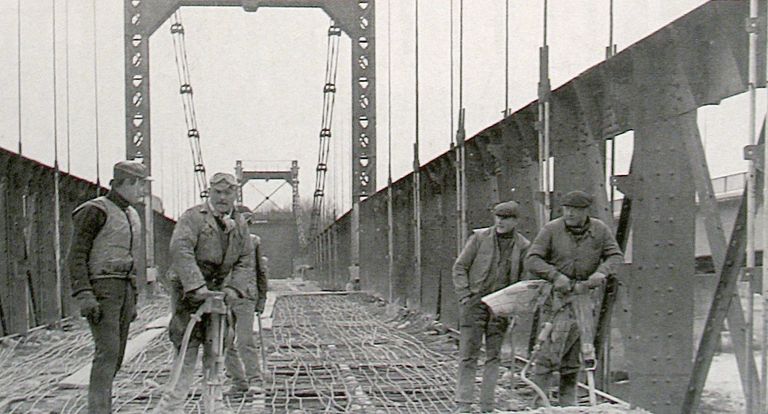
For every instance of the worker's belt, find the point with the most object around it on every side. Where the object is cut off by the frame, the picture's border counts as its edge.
(115, 275)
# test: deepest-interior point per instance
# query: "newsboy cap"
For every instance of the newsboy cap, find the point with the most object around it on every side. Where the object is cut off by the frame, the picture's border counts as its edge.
(506, 209)
(577, 199)
(221, 178)
(129, 169)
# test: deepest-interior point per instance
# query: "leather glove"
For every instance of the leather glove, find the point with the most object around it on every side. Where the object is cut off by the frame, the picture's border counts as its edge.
(201, 294)
(463, 301)
(260, 305)
(562, 283)
(596, 280)
(230, 295)
(89, 306)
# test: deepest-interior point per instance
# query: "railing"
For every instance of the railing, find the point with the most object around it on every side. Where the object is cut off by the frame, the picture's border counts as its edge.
(729, 183)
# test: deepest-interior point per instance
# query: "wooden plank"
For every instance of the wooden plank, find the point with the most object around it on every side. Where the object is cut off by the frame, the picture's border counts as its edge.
(79, 379)
(269, 310)
(728, 261)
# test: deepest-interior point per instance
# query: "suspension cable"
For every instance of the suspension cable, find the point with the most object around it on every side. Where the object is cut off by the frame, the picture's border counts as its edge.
(18, 67)
(96, 99)
(188, 102)
(506, 59)
(451, 130)
(56, 195)
(390, 214)
(416, 165)
(66, 72)
(460, 168)
(329, 98)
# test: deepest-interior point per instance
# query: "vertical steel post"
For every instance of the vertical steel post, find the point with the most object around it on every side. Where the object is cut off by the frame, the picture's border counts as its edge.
(390, 213)
(56, 176)
(751, 192)
(543, 127)
(764, 339)
(416, 175)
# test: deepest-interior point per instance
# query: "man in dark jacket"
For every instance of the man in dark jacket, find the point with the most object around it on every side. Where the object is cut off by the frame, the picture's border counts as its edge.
(211, 250)
(102, 264)
(491, 260)
(575, 253)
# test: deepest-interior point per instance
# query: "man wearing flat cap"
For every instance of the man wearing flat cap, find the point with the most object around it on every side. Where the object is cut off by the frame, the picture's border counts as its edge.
(575, 253)
(492, 259)
(102, 264)
(211, 251)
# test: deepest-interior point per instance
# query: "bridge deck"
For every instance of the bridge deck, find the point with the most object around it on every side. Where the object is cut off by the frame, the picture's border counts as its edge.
(326, 353)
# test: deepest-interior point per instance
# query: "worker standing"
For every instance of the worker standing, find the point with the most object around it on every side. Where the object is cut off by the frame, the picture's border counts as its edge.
(242, 360)
(573, 251)
(211, 251)
(492, 259)
(102, 264)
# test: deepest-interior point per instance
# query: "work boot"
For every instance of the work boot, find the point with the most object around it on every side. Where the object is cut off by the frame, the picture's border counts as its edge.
(487, 408)
(168, 406)
(463, 408)
(567, 389)
(255, 386)
(238, 389)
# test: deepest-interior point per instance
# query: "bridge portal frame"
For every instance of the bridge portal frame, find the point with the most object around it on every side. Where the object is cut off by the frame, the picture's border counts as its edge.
(355, 17)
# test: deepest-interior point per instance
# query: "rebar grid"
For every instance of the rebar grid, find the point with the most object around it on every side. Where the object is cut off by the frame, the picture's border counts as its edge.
(388, 368)
(32, 367)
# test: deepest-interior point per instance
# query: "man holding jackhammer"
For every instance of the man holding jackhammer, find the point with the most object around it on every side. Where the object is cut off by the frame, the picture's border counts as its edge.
(576, 253)
(211, 251)
(102, 263)
(491, 260)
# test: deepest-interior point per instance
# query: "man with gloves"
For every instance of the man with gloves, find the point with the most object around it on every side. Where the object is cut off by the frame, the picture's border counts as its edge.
(575, 253)
(211, 251)
(102, 264)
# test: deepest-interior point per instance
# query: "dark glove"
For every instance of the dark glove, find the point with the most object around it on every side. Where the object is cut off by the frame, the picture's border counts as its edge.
(135, 314)
(463, 301)
(230, 295)
(596, 280)
(89, 306)
(200, 294)
(260, 305)
(562, 284)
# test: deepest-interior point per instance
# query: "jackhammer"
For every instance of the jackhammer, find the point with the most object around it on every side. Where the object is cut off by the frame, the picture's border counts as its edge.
(585, 321)
(581, 303)
(215, 335)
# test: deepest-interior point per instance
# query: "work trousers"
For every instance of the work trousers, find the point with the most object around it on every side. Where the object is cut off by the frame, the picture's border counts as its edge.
(117, 300)
(242, 359)
(476, 322)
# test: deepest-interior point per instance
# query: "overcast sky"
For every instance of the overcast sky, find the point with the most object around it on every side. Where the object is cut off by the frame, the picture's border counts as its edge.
(258, 81)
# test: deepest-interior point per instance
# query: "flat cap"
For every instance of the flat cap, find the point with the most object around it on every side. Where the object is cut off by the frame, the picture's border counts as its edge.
(222, 178)
(129, 169)
(506, 209)
(577, 199)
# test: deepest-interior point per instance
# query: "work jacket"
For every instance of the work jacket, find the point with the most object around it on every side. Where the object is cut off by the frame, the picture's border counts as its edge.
(473, 265)
(204, 254)
(105, 242)
(557, 251)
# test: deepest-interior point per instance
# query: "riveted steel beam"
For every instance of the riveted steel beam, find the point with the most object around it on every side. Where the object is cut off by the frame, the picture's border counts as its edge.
(728, 259)
(661, 341)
